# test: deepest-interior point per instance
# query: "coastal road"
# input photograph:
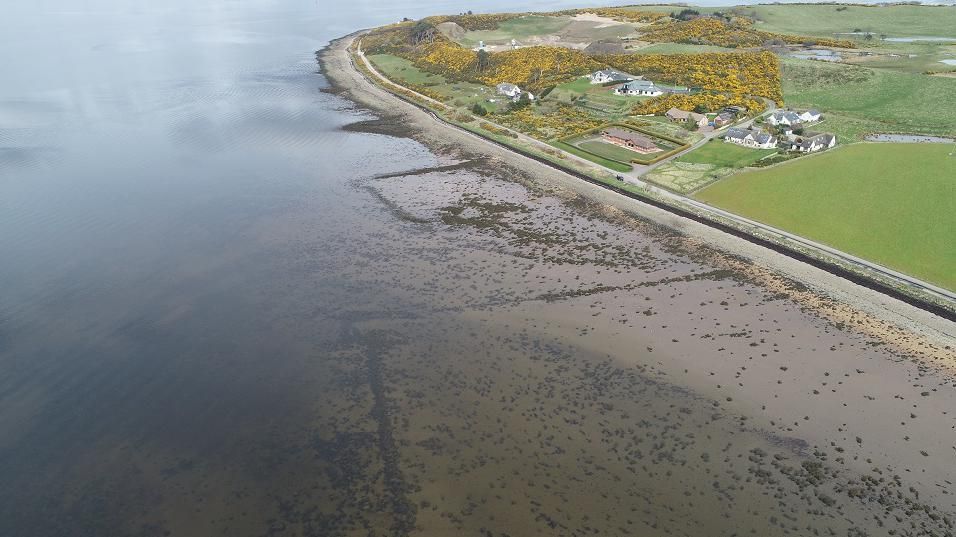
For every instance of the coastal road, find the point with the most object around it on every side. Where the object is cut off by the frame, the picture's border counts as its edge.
(713, 213)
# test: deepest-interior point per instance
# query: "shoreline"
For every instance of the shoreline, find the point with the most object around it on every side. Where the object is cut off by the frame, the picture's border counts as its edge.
(833, 296)
(891, 282)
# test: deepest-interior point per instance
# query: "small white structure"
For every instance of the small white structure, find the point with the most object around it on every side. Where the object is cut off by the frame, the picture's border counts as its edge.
(810, 116)
(508, 90)
(813, 143)
(609, 75)
(784, 117)
(747, 138)
(639, 87)
(512, 91)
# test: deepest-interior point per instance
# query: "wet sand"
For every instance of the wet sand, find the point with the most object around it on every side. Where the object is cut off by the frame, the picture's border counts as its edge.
(594, 370)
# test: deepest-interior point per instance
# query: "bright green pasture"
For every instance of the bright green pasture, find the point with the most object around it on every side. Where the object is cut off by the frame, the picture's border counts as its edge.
(827, 19)
(894, 204)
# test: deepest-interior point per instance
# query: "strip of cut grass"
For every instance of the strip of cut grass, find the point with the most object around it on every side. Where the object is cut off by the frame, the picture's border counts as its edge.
(894, 204)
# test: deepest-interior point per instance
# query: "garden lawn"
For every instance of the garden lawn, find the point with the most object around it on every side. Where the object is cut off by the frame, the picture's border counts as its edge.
(894, 204)
(723, 154)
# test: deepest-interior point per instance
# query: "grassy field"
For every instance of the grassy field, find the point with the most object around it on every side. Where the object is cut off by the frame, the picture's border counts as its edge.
(893, 101)
(826, 20)
(726, 155)
(461, 94)
(401, 69)
(894, 204)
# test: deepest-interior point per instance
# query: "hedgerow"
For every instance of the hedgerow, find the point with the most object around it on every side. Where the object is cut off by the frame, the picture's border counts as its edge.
(709, 101)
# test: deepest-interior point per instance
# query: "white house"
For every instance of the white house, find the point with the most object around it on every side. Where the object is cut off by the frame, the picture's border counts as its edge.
(639, 87)
(509, 90)
(784, 117)
(609, 75)
(810, 116)
(747, 138)
(813, 143)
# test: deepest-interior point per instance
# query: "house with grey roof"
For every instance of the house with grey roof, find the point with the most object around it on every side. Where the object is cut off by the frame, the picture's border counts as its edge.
(639, 87)
(756, 139)
(784, 117)
(809, 144)
(610, 75)
(811, 116)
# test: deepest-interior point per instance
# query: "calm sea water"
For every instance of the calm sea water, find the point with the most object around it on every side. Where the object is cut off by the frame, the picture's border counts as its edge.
(212, 323)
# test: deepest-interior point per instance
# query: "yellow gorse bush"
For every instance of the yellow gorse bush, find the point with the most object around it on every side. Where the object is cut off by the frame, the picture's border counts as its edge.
(744, 73)
(446, 57)
(737, 33)
(710, 101)
(536, 67)
(476, 21)
(565, 121)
